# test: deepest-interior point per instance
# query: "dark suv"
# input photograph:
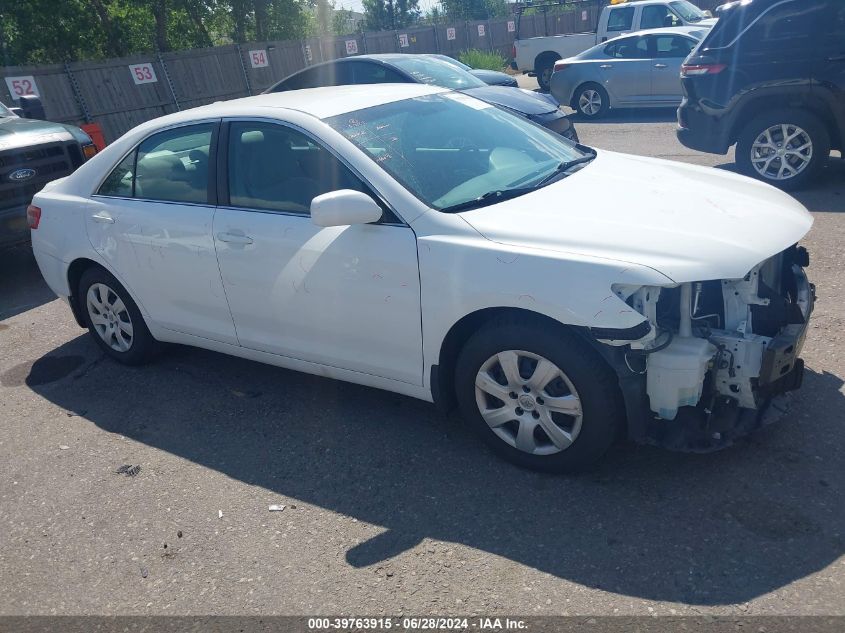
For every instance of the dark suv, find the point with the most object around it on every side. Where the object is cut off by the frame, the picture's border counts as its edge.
(770, 77)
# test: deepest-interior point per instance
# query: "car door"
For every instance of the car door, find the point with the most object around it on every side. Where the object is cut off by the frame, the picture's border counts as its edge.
(626, 70)
(830, 74)
(348, 296)
(668, 53)
(151, 221)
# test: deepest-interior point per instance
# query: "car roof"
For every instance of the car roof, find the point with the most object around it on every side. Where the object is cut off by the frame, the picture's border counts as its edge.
(696, 32)
(321, 103)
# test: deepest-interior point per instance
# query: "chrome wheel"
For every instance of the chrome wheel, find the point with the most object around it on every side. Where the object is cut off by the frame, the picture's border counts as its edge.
(781, 152)
(590, 102)
(109, 317)
(529, 402)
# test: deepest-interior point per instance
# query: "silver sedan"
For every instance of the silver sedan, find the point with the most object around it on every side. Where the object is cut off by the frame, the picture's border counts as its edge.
(639, 70)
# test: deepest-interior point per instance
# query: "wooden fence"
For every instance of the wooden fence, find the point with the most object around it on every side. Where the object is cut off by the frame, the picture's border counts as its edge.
(121, 93)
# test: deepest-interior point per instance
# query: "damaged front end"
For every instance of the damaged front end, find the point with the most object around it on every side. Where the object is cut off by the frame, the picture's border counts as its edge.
(716, 355)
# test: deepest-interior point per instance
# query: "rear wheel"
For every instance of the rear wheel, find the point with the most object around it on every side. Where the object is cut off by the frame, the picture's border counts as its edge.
(113, 319)
(544, 67)
(591, 101)
(538, 396)
(786, 148)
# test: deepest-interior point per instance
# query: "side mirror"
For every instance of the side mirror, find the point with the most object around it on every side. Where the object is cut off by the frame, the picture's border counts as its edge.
(32, 107)
(708, 13)
(344, 207)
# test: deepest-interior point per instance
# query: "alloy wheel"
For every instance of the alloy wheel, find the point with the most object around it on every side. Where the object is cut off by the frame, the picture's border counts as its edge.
(590, 102)
(109, 317)
(781, 152)
(528, 402)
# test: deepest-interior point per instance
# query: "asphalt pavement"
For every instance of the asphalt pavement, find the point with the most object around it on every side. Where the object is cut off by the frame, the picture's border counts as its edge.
(146, 490)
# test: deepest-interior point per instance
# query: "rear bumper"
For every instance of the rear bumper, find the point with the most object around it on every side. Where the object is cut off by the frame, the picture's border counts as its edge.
(13, 226)
(701, 132)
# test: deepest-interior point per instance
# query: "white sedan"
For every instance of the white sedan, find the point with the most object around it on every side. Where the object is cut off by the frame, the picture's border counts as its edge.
(418, 240)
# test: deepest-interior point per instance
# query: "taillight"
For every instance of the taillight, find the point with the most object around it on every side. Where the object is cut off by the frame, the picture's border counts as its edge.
(561, 66)
(33, 216)
(696, 70)
(89, 151)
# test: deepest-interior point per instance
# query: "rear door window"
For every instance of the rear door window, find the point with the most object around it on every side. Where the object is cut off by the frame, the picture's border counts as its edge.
(790, 26)
(173, 165)
(370, 73)
(629, 48)
(672, 46)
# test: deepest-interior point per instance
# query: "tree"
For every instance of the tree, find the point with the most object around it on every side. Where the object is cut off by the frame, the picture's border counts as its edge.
(474, 9)
(381, 15)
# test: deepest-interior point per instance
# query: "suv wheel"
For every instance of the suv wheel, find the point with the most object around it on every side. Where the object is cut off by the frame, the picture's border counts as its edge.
(785, 148)
(538, 396)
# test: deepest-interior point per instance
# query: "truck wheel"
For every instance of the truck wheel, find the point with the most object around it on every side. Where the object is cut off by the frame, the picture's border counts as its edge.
(540, 397)
(591, 100)
(785, 148)
(544, 66)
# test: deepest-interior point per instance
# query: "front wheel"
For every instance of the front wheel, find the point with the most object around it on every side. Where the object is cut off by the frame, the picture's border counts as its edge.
(786, 148)
(540, 397)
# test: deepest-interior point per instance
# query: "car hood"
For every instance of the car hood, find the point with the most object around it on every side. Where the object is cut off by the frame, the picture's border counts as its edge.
(523, 101)
(689, 223)
(494, 77)
(18, 132)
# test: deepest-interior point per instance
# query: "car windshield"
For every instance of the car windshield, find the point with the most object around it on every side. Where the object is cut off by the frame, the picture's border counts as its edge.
(435, 72)
(689, 12)
(455, 152)
(5, 112)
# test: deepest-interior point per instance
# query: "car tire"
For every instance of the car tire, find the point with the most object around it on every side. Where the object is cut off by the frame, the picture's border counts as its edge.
(113, 318)
(587, 409)
(754, 157)
(591, 101)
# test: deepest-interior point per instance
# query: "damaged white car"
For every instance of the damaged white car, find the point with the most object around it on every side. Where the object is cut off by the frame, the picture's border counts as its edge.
(418, 240)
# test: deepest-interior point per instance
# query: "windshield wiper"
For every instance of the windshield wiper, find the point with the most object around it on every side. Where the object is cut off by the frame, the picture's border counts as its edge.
(491, 197)
(565, 167)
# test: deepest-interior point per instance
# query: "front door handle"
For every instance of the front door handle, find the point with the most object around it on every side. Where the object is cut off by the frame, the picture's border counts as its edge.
(660, 65)
(606, 66)
(837, 58)
(103, 218)
(234, 238)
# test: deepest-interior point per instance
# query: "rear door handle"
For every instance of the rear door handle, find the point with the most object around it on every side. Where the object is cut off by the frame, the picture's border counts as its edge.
(606, 66)
(837, 58)
(103, 218)
(660, 65)
(234, 238)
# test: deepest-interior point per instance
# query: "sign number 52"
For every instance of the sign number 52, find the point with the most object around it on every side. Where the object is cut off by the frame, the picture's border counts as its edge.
(22, 86)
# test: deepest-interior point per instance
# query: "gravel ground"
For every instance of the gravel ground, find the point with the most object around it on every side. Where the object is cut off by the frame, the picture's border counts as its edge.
(389, 507)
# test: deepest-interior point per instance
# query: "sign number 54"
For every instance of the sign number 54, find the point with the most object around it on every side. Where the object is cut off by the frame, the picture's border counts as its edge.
(258, 59)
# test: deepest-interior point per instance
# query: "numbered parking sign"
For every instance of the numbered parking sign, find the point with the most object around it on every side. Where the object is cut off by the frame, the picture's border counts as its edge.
(258, 59)
(403, 40)
(511, 26)
(481, 30)
(583, 16)
(22, 86)
(351, 47)
(450, 33)
(308, 54)
(143, 73)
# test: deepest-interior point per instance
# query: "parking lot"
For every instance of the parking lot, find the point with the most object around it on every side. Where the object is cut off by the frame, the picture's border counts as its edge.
(141, 491)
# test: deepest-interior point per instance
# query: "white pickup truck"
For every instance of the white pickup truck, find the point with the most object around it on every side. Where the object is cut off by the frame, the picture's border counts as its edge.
(537, 55)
